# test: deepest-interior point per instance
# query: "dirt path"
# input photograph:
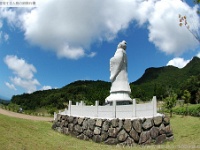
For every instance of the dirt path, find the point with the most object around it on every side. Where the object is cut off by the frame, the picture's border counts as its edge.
(23, 116)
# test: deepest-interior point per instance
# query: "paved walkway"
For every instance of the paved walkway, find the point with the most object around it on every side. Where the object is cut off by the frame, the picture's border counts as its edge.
(23, 116)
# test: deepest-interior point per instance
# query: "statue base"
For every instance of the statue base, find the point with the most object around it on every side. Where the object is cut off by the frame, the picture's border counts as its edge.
(121, 98)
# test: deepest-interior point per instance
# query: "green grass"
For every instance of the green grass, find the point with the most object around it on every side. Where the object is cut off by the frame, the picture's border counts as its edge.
(186, 132)
(20, 134)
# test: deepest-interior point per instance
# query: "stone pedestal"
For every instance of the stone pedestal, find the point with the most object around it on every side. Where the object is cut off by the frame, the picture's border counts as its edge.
(154, 130)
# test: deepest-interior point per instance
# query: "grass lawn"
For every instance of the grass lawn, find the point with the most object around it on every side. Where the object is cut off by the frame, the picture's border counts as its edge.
(20, 134)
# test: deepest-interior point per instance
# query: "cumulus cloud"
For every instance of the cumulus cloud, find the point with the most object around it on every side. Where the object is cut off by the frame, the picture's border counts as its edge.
(11, 86)
(24, 73)
(92, 54)
(164, 29)
(20, 67)
(73, 26)
(30, 85)
(178, 62)
(46, 87)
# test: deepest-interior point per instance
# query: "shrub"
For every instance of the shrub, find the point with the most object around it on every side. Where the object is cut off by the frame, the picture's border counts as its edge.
(193, 110)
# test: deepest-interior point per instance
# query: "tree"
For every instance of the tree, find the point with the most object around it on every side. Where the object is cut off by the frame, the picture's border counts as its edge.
(197, 96)
(192, 85)
(186, 96)
(170, 102)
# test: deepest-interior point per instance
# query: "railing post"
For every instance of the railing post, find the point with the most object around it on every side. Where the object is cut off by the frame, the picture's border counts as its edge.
(97, 105)
(134, 108)
(114, 109)
(69, 108)
(54, 116)
(154, 106)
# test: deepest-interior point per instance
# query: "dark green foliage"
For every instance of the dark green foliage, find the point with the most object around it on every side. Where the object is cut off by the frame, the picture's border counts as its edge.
(170, 102)
(156, 81)
(52, 98)
(192, 85)
(87, 91)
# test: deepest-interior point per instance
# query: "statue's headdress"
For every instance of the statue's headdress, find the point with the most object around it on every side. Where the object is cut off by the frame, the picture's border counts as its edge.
(122, 45)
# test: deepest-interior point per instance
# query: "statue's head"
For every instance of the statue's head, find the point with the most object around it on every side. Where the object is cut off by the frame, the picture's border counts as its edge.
(122, 45)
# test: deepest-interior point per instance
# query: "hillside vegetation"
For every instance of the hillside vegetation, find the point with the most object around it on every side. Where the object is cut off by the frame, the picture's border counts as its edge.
(87, 91)
(155, 81)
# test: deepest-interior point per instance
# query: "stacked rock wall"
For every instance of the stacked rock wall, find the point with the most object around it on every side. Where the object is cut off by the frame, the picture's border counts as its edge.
(116, 131)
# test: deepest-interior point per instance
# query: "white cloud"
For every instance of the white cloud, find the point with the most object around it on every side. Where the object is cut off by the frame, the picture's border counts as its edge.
(11, 86)
(9, 14)
(20, 67)
(164, 29)
(73, 53)
(178, 62)
(24, 73)
(13, 15)
(29, 84)
(92, 54)
(70, 27)
(46, 87)
(73, 26)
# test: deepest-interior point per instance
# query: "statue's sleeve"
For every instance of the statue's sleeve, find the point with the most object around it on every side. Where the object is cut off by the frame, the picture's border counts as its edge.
(116, 63)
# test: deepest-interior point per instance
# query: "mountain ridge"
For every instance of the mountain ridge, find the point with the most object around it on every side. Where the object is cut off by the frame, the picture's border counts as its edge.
(154, 81)
(166, 76)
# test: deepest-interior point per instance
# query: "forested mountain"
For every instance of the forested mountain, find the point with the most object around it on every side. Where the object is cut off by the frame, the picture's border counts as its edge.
(87, 91)
(155, 81)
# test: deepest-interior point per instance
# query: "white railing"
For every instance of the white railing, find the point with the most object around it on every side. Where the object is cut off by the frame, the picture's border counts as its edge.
(114, 111)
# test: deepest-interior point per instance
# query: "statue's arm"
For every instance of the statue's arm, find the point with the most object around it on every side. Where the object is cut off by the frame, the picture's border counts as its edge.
(116, 63)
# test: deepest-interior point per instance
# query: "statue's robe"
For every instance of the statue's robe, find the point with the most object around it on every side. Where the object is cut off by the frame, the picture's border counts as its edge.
(118, 70)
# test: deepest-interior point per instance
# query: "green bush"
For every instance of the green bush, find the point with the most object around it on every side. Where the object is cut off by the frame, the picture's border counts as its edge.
(13, 107)
(193, 110)
(51, 110)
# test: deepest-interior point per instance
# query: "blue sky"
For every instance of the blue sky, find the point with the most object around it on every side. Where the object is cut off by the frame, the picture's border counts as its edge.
(59, 42)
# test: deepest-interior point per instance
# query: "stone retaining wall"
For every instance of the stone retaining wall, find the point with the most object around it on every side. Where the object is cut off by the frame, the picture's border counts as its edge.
(116, 131)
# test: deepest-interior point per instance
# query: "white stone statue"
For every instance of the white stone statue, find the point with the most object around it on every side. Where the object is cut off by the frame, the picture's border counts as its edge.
(120, 89)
